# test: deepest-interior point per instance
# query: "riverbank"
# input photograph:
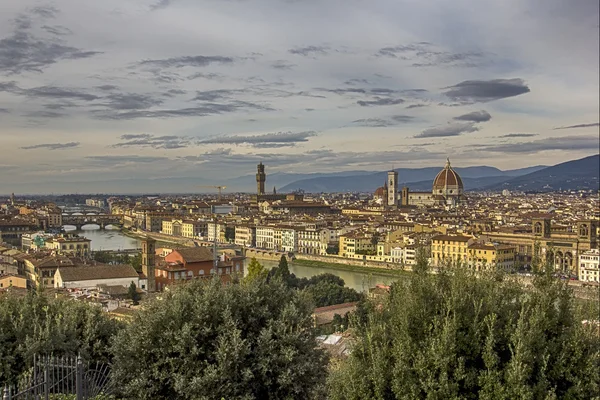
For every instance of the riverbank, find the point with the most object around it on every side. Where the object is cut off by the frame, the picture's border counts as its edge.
(394, 273)
(160, 241)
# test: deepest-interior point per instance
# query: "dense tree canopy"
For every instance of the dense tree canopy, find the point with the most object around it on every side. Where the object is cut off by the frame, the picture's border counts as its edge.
(205, 340)
(458, 336)
(35, 324)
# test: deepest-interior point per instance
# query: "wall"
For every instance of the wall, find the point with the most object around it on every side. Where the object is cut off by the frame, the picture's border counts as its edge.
(264, 254)
(369, 262)
(93, 283)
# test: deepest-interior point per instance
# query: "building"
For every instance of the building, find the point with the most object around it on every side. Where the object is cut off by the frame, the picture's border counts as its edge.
(450, 248)
(149, 263)
(261, 178)
(265, 237)
(69, 244)
(154, 220)
(12, 280)
(245, 235)
(589, 264)
(353, 244)
(392, 192)
(88, 277)
(483, 256)
(172, 227)
(447, 190)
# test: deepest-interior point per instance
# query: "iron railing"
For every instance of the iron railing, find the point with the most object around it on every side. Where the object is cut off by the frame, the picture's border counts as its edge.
(54, 377)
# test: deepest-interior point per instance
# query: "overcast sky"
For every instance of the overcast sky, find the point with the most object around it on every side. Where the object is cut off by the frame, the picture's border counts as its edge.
(103, 90)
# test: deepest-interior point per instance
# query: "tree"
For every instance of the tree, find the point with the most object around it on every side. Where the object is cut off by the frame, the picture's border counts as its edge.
(456, 335)
(37, 325)
(136, 262)
(283, 270)
(206, 340)
(133, 294)
(102, 257)
(256, 270)
(230, 233)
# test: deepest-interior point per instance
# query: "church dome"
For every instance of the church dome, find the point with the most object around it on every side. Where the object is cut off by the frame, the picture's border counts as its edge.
(447, 182)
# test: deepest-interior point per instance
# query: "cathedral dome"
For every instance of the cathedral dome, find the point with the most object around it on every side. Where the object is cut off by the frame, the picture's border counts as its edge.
(447, 182)
(380, 192)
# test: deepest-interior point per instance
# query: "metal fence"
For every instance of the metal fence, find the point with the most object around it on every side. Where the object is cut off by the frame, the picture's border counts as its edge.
(63, 378)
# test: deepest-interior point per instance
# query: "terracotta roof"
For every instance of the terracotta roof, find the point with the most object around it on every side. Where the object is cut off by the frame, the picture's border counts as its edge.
(447, 177)
(97, 272)
(452, 238)
(195, 254)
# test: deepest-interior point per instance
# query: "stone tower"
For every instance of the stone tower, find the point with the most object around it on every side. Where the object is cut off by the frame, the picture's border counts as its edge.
(148, 252)
(392, 183)
(261, 177)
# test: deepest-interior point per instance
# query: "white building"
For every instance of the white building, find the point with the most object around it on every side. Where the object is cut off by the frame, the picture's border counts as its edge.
(245, 235)
(588, 266)
(214, 231)
(289, 240)
(265, 237)
(87, 277)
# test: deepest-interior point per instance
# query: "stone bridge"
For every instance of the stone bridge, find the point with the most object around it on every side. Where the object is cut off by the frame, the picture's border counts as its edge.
(99, 219)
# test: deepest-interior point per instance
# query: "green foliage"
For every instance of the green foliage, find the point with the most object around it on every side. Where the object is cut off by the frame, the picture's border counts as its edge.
(135, 262)
(37, 325)
(256, 270)
(206, 340)
(102, 256)
(325, 293)
(456, 336)
(230, 233)
(282, 271)
(335, 250)
(133, 293)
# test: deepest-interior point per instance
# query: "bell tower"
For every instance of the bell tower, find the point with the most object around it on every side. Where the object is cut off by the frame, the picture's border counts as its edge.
(541, 227)
(148, 252)
(261, 177)
(392, 184)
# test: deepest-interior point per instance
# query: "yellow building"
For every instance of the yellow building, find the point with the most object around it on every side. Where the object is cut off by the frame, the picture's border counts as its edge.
(450, 248)
(11, 280)
(356, 243)
(70, 244)
(486, 255)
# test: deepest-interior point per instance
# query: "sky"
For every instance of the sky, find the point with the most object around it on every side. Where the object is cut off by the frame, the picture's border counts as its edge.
(134, 89)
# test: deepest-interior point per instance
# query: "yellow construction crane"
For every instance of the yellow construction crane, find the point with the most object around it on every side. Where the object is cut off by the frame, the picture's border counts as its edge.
(215, 187)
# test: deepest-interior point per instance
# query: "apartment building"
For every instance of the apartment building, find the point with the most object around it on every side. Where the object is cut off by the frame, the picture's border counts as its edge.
(485, 255)
(356, 243)
(589, 264)
(69, 244)
(450, 248)
(245, 235)
(265, 237)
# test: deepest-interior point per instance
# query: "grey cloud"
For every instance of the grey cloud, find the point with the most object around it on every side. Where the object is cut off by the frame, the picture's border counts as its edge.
(517, 135)
(383, 122)
(22, 51)
(131, 101)
(45, 114)
(379, 102)
(395, 51)
(416, 106)
(579, 126)
(483, 91)
(475, 116)
(52, 146)
(450, 129)
(357, 81)
(219, 152)
(46, 11)
(130, 136)
(188, 61)
(58, 93)
(156, 142)
(107, 88)
(206, 75)
(204, 110)
(555, 143)
(111, 160)
(283, 65)
(57, 30)
(4, 110)
(279, 138)
(160, 4)
(309, 50)
(212, 95)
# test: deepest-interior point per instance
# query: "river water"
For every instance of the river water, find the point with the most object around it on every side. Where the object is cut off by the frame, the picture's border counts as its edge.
(114, 239)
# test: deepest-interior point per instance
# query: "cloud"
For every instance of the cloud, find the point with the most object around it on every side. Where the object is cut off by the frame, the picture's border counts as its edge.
(483, 91)
(57, 30)
(416, 106)
(131, 101)
(475, 116)
(555, 143)
(107, 88)
(156, 142)
(52, 146)
(4, 111)
(450, 129)
(282, 65)
(23, 51)
(204, 110)
(110, 160)
(517, 135)
(380, 102)
(579, 126)
(383, 122)
(188, 61)
(160, 4)
(45, 114)
(279, 139)
(425, 54)
(58, 93)
(309, 50)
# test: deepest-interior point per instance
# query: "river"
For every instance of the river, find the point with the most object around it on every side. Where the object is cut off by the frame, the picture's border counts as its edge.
(114, 239)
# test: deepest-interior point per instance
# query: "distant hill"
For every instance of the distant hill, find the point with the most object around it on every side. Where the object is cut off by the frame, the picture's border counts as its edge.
(415, 178)
(571, 175)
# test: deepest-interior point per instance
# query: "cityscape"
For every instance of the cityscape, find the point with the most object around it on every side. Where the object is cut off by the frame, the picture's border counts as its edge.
(299, 200)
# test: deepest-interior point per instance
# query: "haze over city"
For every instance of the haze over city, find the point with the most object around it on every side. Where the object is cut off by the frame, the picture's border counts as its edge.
(103, 91)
